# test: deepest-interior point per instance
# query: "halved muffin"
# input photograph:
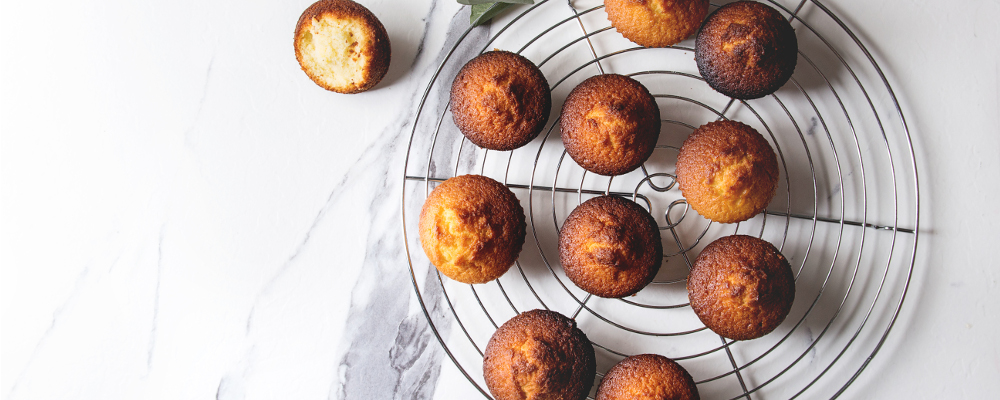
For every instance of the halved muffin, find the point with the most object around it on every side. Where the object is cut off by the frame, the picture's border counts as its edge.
(342, 46)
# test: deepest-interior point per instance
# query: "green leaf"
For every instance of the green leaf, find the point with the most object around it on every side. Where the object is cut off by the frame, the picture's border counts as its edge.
(485, 12)
(474, 2)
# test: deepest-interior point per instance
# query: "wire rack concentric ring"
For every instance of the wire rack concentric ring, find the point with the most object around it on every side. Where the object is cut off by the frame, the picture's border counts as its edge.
(846, 214)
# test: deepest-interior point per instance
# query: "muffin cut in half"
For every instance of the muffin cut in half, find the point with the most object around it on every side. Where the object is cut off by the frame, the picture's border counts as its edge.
(342, 46)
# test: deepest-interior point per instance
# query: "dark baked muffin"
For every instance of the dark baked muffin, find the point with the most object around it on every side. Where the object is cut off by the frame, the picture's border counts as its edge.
(539, 355)
(741, 287)
(472, 228)
(610, 124)
(656, 23)
(727, 171)
(610, 247)
(500, 100)
(342, 46)
(746, 50)
(647, 377)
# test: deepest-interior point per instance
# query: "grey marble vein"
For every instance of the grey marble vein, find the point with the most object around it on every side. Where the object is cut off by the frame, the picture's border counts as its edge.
(813, 125)
(389, 353)
(77, 288)
(156, 300)
(385, 351)
(84, 280)
(331, 199)
(201, 101)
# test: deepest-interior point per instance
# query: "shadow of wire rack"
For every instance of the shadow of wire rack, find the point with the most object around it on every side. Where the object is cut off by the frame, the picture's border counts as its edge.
(846, 213)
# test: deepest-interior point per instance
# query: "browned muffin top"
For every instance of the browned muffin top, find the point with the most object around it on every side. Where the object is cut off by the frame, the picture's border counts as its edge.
(727, 171)
(500, 100)
(746, 50)
(610, 247)
(610, 124)
(342, 46)
(472, 228)
(647, 377)
(741, 287)
(656, 23)
(539, 355)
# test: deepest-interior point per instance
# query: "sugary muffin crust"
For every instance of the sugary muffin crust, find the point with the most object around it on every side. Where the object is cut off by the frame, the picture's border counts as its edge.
(741, 287)
(727, 171)
(472, 228)
(610, 247)
(656, 23)
(609, 124)
(746, 50)
(500, 100)
(539, 355)
(647, 377)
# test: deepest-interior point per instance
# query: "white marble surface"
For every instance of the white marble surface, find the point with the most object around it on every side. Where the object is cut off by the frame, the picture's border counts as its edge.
(185, 215)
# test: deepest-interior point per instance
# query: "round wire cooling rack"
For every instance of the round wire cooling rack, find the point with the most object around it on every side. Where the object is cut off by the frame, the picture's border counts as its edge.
(846, 214)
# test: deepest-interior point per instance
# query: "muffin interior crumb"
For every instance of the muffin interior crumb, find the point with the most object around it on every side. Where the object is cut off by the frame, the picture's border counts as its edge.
(334, 49)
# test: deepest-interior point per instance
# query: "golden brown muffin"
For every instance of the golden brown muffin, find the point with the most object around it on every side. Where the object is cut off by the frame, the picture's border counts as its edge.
(610, 247)
(727, 171)
(610, 124)
(741, 287)
(656, 23)
(500, 100)
(647, 377)
(539, 355)
(746, 50)
(472, 228)
(342, 46)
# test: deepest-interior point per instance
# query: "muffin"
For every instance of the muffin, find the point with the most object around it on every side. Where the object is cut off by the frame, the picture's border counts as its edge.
(647, 377)
(472, 228)
(500, 100)
(610, 124)
(342, 46)
(656, 23)
(741, 287)
(610, 247)
(746, 50)
(539, 355)
(727, 171)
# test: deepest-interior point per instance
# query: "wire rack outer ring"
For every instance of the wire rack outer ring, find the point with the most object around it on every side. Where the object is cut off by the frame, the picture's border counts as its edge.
(905, 265)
